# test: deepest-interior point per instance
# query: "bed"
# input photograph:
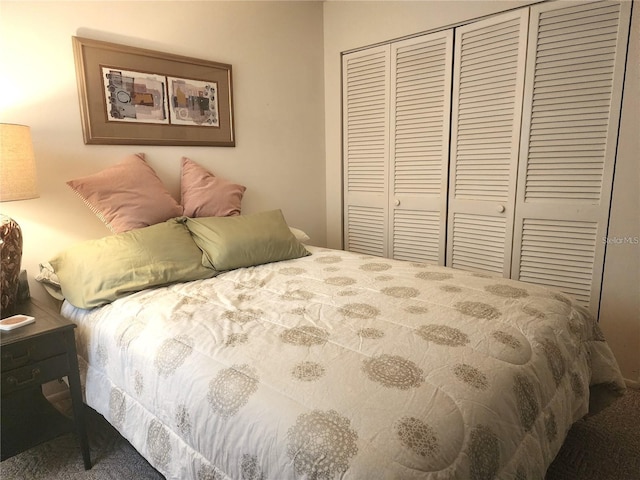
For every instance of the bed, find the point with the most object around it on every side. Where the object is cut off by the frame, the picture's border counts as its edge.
(225, 348)
(339, 365)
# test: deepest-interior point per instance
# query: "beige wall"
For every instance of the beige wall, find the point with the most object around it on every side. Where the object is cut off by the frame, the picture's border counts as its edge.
(276, 51)
(350, 25)
(620, 307)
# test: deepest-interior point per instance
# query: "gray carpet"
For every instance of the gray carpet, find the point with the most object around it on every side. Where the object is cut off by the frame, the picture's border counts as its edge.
(605, 446)
(113, 458)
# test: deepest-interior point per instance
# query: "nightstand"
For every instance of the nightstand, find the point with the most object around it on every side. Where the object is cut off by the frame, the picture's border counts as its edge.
(31, 356)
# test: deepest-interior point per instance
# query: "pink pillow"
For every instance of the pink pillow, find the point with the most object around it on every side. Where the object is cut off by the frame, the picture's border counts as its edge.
(127, 195)
(205, 195)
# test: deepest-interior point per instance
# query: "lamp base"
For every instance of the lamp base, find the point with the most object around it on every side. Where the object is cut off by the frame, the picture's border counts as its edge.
(10, 259)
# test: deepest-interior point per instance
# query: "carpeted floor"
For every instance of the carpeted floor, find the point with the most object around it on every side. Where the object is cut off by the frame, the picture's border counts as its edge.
(113, 458)
(605, 446)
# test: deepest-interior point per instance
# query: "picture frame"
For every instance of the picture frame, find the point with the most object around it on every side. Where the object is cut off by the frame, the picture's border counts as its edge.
(135, 96)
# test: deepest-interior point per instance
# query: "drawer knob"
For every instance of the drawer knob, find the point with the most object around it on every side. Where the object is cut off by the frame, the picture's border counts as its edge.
(35, 373)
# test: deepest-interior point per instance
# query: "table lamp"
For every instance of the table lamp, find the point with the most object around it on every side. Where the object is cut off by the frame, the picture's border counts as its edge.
(17, 182)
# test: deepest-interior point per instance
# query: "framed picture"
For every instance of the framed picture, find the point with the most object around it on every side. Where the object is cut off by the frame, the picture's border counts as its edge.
(134, 96)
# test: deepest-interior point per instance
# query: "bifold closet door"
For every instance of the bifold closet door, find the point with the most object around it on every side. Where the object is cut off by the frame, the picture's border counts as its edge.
(575, 73)
(488, 84)
(365, 116)
(421, 70)
(396, 119)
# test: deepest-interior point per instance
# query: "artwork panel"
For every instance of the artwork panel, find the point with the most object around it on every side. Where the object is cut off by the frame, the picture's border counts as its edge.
(193, 102)
(135, 96)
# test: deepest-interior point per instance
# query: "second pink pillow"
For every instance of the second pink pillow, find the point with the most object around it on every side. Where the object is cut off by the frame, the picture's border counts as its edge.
(205, 195)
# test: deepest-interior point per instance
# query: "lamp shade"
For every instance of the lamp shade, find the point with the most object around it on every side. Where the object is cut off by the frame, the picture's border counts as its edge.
(18, 179)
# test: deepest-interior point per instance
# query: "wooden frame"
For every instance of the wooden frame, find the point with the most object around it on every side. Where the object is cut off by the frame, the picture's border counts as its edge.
(134, 96)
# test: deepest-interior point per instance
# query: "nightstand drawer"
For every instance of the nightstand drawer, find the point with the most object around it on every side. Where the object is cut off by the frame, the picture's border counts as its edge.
(35, 374)
(31, 351)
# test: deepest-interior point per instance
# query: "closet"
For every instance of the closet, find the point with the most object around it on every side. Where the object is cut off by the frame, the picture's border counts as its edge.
(490, 146)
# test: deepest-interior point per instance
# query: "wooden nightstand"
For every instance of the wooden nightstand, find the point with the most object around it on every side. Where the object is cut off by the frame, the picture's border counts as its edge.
(31, 356)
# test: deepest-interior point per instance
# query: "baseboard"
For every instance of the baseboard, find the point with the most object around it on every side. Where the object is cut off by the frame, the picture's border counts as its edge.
(632, 384)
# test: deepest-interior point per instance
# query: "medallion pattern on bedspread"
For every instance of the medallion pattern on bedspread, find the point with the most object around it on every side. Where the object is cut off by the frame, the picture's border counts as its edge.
(339, 365)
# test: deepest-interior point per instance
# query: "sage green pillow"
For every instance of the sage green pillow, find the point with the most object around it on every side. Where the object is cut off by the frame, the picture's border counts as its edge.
(96, 272)
(244, 240)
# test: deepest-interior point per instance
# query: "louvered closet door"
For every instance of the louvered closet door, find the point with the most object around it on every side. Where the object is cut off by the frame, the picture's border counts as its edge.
(366, 150)
(487, 104)
(421, 70)
(572, 106)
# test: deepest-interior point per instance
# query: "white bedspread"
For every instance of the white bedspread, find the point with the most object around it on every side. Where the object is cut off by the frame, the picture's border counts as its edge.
(339, 365)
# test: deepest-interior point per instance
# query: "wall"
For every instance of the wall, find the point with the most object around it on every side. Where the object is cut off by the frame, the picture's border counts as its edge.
(350, 25)
(276, 51)
(620, 307)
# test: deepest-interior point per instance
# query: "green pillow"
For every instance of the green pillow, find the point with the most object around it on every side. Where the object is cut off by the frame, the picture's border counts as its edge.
(96, 272)
(244, 240)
